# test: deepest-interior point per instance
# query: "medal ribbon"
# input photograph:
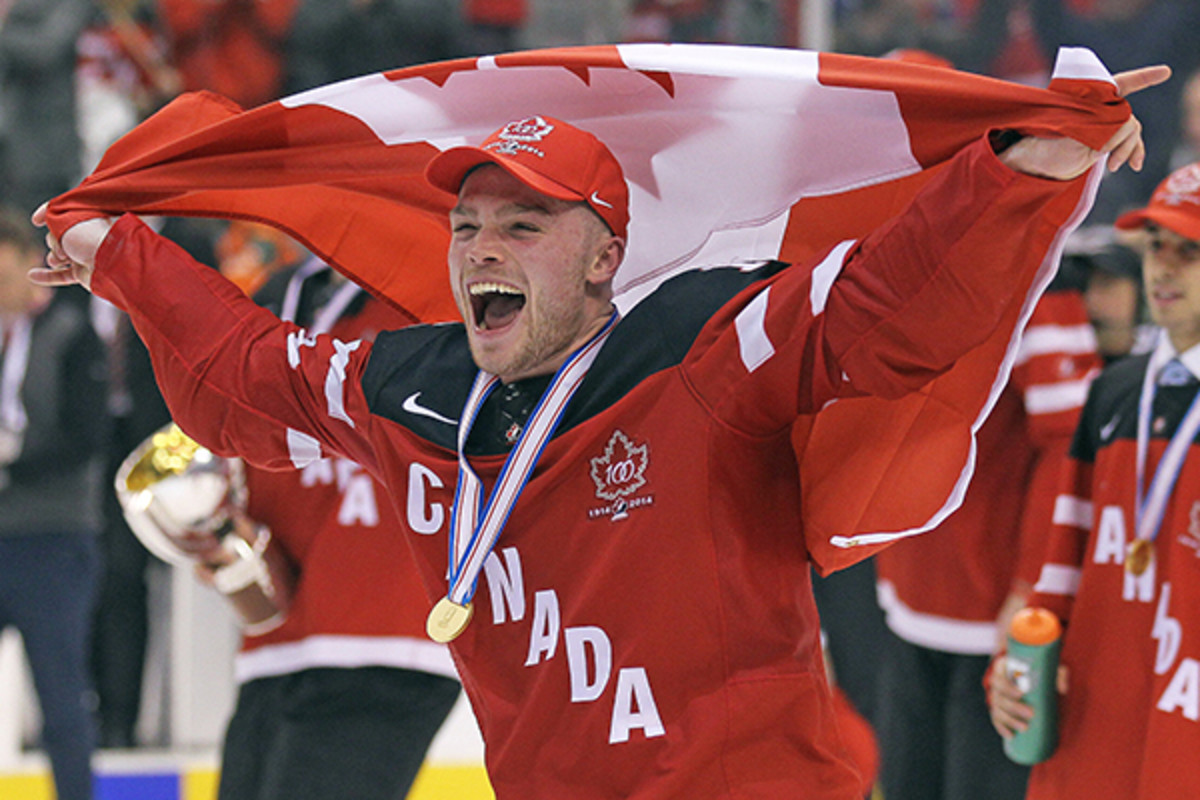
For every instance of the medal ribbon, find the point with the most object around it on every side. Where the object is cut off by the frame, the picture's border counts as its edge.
(474, 525)
(1151, 508)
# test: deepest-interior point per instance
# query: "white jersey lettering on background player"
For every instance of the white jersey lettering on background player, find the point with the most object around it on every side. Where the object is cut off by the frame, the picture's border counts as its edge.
(1183, 690)
(1112, 545)
(359, 505)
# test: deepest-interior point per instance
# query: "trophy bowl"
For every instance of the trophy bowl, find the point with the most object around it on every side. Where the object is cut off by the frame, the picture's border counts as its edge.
(176, 494)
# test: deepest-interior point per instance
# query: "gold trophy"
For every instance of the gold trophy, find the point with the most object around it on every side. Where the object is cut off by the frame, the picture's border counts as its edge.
(187, 506)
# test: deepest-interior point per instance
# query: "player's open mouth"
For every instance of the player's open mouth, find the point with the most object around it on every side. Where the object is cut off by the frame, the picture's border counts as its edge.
(1163, 295)
(494, 305)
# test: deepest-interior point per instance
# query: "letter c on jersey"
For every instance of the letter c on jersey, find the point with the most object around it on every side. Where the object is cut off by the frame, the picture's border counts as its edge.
(423, 516)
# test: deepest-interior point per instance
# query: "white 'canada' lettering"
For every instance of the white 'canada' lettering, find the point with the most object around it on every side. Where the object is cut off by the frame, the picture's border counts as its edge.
(1110, 536)
(506, 586)
(1183, 692)
(580, 641)
(547, 620)
(424, 517)
(634, 707)
(1112, 545)
(589, 650)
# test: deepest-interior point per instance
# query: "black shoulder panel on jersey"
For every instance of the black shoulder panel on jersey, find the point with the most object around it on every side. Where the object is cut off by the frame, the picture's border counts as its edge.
(1111, 409)
(657, 333)
(420, 377)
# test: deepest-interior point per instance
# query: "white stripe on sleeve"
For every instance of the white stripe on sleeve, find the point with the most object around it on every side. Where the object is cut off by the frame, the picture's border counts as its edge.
(1058, 579)
(755, 347)
(1073, 511)
(302, 448)
(1050, 398)
(1044, 340)
(335, 380)
(825, 273)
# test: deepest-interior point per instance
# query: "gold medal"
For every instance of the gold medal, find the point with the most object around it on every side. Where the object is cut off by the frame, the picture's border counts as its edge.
(447, 620)
(1141, 553)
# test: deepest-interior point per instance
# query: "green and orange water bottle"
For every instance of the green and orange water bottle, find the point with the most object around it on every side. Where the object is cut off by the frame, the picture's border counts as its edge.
(1034, 640)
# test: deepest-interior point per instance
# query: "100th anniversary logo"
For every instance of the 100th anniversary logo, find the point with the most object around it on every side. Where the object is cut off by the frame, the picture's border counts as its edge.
(618, 475)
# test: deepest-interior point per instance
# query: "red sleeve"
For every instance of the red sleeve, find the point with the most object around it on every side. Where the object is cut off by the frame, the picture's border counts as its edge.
(234, 376)
(1071, 523)
(1055, 365)
(886, 315)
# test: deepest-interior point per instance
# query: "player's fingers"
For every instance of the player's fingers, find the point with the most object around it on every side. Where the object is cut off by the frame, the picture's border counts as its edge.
(44, 276)
(1130, 129)
(39, 215)
(1131, 151)
(1009, 718)
(1143, 78)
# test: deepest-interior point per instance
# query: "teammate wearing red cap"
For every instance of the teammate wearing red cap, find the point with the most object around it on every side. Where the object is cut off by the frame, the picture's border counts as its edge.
(645, 627)
(1124, 559)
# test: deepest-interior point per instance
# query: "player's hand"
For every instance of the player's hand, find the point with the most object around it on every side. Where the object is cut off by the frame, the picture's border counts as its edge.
(72, 260)
(1009, 715)
(1064, 159)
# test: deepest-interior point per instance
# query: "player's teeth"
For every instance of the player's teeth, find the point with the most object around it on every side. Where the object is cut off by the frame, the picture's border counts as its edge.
(493, 288)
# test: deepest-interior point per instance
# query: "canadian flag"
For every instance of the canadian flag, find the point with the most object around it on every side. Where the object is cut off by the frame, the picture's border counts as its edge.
(731, 154)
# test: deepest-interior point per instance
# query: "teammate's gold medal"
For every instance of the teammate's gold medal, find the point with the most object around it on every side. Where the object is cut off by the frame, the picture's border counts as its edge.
(1141, 553)
(447, 620)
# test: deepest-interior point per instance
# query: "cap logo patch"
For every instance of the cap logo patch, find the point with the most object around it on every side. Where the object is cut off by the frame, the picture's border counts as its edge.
(1181, 187)
(518, 137)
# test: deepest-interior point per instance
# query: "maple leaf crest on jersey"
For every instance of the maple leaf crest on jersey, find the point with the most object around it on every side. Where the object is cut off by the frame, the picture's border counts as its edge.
(621, 470)
(619, 473)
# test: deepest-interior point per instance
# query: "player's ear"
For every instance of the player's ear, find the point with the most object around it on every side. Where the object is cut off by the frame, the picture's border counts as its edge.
(609, 256)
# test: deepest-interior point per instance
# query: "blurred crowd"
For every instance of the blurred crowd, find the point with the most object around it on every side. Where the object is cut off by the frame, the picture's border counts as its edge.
(75, 75)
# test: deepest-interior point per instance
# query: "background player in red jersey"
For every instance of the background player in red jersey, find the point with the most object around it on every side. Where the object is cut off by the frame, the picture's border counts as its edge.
(645, 626)
(344, 697)
(1121, 566)
(340, 691)
(944, 591)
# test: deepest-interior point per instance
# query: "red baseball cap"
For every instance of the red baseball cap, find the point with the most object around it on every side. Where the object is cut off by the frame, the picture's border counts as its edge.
(1175, 205)
(549, 155)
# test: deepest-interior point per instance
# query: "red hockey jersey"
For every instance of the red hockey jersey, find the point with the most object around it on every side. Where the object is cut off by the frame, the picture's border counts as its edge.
(358, 599)
(1129, 717)
(645, 626)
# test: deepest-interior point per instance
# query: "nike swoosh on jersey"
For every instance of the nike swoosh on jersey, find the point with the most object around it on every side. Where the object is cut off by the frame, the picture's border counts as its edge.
(1107, 431)
(413, 407)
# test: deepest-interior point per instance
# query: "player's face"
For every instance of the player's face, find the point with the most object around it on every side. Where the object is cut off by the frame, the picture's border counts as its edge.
(530, 274)
(1171, 267)
(17, 293)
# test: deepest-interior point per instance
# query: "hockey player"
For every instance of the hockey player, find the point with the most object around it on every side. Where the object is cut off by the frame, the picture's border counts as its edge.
(1121, 566)
(645, 626)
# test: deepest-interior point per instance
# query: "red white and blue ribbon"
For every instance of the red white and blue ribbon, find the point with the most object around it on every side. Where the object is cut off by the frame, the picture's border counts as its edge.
(1151, 505)
(475, 525)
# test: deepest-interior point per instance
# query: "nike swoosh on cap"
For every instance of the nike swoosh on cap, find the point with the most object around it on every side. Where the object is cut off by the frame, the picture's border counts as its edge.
(413, 407)
(596, 199)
